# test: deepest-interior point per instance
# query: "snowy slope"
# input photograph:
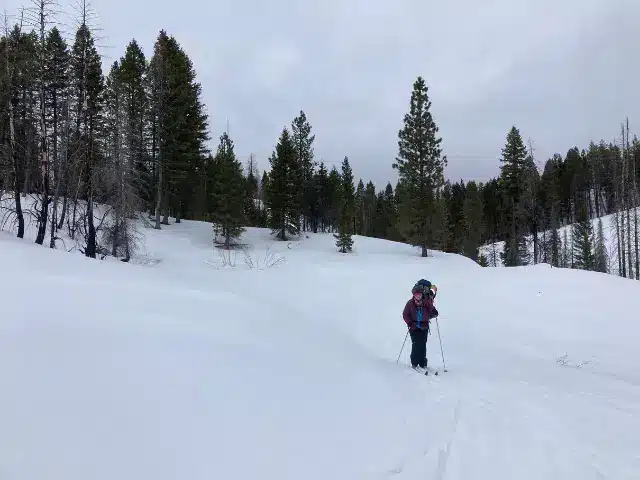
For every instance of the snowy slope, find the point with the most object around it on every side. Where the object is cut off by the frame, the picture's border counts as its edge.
(180, 367)
(492, 250)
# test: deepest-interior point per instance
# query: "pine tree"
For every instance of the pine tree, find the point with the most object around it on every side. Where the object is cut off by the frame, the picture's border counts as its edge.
(601, 258)
(347, 209)
(531, 204)
(303, 141)
(358, 219)
(88, 91)
(133, 72)
(334, 199)
(454, 196)
(421, 171)
(251, 211)
(179, 129)
(472, 212)
(228, 194)
(125, 148)
(113, 133)
(282, 194)
(554, 241)
(565, 258)
(379, 222)
(190, 132)
(512, 178)
(17, 75)
(391, 215)
(321, 186)
(582, 236)
(369, 202)
(57, 97)
(264, 210)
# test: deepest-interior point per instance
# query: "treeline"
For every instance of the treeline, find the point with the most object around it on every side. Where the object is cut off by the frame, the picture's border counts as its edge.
(135, 140)
(527, 208)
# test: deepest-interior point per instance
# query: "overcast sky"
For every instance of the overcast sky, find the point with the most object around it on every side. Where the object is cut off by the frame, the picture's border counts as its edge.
(563, 71)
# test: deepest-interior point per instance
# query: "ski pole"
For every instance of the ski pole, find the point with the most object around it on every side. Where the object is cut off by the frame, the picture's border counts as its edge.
(438, 327)
(405, 341)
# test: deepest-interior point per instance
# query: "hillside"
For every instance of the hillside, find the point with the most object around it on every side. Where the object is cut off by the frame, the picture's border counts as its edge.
(180, 365)
(492, 251)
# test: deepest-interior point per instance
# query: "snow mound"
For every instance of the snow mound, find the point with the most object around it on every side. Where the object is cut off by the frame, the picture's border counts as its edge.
(190, 363)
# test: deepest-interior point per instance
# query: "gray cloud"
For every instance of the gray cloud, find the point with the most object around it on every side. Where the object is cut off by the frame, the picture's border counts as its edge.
(562, 71)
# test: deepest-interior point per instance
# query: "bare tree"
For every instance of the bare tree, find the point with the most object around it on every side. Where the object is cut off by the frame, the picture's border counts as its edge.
(60, 168)
(627, 203)
(42, 10)
(13, 151)
(633, 204)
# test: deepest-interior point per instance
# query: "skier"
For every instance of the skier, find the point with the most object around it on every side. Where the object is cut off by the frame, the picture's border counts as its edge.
(417, 313)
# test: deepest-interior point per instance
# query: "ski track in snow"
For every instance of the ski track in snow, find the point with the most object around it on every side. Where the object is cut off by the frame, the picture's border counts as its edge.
(181, 369)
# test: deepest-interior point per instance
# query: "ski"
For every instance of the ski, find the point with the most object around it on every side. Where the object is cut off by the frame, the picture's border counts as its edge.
(425, 371)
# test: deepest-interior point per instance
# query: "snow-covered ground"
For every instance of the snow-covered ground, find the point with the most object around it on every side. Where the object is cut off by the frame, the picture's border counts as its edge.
(177, 366)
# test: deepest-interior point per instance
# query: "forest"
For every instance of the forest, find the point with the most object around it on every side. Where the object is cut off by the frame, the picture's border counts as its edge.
(87, 155)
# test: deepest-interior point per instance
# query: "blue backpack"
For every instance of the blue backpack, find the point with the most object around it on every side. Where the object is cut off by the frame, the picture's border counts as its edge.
(423, 286)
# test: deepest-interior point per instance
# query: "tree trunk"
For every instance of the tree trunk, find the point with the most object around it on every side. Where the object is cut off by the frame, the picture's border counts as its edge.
(57, 165)
(91, 231)
(44, 154)
(12, 140)
(159, 190)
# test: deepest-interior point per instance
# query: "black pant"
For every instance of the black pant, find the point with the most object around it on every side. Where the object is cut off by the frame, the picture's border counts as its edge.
(419, 347)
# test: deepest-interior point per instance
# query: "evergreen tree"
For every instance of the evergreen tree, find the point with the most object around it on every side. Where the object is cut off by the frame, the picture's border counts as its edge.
(531, 205)
(554, 241)
(513, 176)
(601, 258)
(113, 132)
(18, 91)
(358, 218)
(345, 228)
(454, 196)
(57, 98)
(492, 213)
(282, 194)
(133, 71)
(264, 192)
(473, 227)
(440, 218)
(88, 91)
(582, 239)
(321, 185)
(303, 141)
(251, 210)
(420, 168)
(369, 205)
(379, 222)
(391, 215)
(179, 129)
(125, 149)
(565, 257)
(334, 196)
(228, 193)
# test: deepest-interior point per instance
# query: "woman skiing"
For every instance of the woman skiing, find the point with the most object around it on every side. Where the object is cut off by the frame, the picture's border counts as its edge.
(417, 313)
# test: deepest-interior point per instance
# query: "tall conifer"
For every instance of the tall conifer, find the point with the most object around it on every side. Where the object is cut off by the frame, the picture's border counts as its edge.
(421, 171)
